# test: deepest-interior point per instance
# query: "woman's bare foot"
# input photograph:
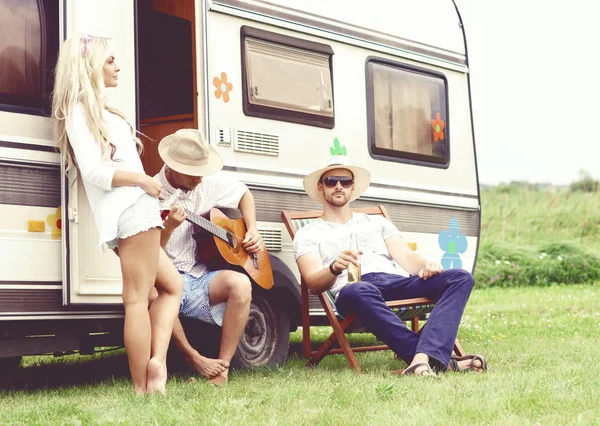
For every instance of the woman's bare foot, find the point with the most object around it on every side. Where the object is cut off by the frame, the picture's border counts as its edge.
(207, 367)
(157, 377)
(139, 390)
(220, 379)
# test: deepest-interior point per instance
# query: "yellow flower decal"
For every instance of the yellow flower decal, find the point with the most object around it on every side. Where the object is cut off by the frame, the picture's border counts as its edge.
(55, 221)
(223, 87)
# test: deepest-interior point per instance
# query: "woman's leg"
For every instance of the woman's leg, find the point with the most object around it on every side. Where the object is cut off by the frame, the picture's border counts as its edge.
(139, 256)
(163, 312)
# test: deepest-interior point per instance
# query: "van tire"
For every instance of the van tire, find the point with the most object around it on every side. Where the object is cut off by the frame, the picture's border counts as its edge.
(266, 339)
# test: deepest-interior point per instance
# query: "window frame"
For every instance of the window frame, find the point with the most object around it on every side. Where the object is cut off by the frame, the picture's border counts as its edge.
(405, 157)
(45, 110)
(280, 114)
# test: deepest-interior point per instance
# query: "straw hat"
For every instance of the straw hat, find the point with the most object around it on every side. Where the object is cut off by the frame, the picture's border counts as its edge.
(362, 178)
(186, 151)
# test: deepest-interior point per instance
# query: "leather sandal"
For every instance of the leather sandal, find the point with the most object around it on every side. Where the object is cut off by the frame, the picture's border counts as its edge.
(426, 372)
(454, 360)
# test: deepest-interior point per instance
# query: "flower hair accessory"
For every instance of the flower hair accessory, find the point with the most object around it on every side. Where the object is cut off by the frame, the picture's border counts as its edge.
(85, 40)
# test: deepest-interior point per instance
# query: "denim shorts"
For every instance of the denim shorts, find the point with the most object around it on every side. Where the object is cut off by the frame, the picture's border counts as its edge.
(139, 217)
(195, 302)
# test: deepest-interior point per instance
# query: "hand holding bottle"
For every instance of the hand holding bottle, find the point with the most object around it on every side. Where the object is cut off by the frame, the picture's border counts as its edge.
(342, 262)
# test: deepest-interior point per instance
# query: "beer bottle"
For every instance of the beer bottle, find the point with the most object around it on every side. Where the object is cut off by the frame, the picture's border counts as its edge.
(353, 270)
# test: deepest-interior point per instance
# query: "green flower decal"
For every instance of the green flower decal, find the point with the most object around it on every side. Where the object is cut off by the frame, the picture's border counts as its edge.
(337, 149)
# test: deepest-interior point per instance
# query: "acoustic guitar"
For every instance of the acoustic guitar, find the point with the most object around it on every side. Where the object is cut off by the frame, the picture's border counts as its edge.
(219, 242)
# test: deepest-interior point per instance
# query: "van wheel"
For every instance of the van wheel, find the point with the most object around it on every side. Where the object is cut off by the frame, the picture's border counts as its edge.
(266, 339)
(10, 365)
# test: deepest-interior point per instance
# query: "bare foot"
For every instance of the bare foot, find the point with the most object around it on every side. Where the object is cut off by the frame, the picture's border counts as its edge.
(139, 391)
(157, 377)
(207, 367)
(220, 379)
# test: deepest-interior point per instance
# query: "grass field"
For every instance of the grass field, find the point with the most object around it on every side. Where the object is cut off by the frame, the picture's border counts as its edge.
(541, 344)
(533, 237)
(524, 217)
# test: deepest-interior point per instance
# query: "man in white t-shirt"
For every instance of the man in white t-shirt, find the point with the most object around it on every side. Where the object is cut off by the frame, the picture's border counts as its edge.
(217, 297)
(322, 252)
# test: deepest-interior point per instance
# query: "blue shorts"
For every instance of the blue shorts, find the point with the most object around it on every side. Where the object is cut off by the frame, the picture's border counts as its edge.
(195, 302)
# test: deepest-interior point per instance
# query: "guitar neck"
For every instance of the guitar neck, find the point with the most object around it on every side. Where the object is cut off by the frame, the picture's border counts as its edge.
(210, 227)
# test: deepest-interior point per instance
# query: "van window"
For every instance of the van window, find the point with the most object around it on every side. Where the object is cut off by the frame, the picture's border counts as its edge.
(29, 43)
(407, 110)
(286, 78)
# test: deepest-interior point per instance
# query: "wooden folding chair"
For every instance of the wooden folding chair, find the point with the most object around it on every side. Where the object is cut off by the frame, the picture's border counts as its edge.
(407, 310)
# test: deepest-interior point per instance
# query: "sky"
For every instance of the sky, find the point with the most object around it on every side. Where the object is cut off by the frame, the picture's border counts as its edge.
(535, 87)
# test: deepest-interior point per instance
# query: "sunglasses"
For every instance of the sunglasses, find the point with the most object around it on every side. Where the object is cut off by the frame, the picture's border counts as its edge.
(331, 181)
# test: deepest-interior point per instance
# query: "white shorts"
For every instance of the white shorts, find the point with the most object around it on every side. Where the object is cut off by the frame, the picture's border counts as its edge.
(139, 217)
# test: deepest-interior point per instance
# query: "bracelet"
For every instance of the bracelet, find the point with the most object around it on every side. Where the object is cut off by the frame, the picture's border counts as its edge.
(333, 270)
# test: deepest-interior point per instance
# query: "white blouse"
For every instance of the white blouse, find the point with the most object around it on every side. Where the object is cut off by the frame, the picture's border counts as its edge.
(97, 170)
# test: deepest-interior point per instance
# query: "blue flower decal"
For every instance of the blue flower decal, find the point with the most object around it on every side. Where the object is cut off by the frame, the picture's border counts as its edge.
(453, 244)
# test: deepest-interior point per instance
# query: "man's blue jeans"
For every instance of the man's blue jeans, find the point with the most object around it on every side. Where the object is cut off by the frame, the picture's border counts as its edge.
(449, 290)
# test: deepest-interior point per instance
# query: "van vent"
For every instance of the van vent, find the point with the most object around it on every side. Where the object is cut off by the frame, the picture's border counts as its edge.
(257, 143)
(271, 237)
(223, 136)
(30, 186)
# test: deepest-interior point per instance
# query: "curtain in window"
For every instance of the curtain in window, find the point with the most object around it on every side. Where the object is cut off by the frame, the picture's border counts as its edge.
(288, 78)
(402, 111)
(21, 50)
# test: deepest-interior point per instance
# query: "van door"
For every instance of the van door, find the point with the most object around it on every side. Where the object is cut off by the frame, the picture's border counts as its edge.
(92, 276)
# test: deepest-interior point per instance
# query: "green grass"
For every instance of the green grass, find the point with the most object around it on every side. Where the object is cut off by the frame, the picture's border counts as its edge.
(527, 217)
(537, 238)
(541, 344)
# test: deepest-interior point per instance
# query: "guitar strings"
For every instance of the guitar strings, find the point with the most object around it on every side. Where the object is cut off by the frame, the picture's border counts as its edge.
(235, 237)
(216, 228)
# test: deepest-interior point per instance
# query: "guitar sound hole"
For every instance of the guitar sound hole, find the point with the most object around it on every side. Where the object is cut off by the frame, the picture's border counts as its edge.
(232, 241)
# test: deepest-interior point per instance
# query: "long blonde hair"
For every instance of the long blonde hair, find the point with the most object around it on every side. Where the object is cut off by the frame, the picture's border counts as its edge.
(79, 80)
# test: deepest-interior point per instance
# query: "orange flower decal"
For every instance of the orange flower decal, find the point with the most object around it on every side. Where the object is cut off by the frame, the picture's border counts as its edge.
(223, 87)
(438, 128)
(55, 221)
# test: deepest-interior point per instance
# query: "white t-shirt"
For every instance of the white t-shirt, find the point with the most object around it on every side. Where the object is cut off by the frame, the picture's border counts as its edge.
(328, 239)
(97, 169)
(218, 190)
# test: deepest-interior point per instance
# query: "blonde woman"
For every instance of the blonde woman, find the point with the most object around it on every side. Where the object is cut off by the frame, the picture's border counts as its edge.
(98, 141)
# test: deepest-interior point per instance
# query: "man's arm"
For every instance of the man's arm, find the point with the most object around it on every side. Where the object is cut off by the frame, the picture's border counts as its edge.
(409, 260)
(253, 241)
(319, 279)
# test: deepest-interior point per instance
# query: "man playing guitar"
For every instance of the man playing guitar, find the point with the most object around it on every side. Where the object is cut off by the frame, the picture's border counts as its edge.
(219, 297)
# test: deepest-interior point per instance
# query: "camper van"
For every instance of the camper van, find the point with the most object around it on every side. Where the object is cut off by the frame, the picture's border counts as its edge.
(277, 86)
